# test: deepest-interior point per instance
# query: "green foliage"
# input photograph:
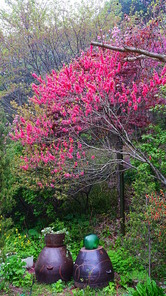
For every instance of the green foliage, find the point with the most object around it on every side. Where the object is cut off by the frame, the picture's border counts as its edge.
(110, 289)
(6, 178)
(144, 220)
(149, 288)
(58, 225)
(24, 244)
(127, 268)
(122, 262)
(103, 200)
(136, 236)
(154, 146)
(78, 227)
(58, 287)
(10, 185)
(131, 7)
(32, 206)
(5, 225)
(70, 25)
(130, 278)
(99, 199)
(85, 292)
(40, 289)
(13, 271)
(142, 228)
(25, 204)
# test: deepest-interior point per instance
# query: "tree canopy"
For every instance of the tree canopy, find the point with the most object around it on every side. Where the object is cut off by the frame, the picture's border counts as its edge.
(76, 111)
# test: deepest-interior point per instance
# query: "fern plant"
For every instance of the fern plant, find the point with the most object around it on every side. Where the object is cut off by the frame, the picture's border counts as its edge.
(149, 288)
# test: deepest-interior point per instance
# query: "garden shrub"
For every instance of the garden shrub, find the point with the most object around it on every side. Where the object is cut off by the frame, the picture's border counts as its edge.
(148, 288)
(145, 221)
(12, 271)
(23, 244)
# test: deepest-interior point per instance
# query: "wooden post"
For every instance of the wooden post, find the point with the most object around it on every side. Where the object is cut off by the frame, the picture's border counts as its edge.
(120, 186)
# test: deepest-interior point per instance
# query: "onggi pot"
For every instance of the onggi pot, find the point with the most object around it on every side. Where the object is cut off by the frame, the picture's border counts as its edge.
(93, 268)
(54, 261)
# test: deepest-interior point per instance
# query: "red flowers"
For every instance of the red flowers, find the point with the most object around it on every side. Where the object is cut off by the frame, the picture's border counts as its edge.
(156, 213)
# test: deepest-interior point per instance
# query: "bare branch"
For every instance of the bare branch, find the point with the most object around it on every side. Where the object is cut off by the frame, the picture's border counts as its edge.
(160, 57)
(132, 59)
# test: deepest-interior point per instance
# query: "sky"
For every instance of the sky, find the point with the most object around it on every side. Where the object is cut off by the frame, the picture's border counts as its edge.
(64, 4)
(3, 5)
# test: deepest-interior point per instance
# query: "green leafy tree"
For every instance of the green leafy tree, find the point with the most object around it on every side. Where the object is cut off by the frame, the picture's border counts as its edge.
(39, 36)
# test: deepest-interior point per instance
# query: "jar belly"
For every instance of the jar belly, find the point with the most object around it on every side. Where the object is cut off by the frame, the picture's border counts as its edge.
(54, 264)
(93, 268)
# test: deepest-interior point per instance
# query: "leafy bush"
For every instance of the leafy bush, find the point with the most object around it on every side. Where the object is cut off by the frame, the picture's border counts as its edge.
(145, 233)
(127, 267)
(58, 287)
(145, 222)
(13, 271)
(24, 245)
(149, 288)
(122, 262)
(110, 289)
(5, 225)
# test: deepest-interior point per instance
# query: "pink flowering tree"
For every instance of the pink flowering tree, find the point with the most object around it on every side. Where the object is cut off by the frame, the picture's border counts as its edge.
(84, 118)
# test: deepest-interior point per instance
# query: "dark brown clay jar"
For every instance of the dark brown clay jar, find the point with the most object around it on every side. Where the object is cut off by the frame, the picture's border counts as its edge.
(54, 262)
(93, 268)
(54, 240)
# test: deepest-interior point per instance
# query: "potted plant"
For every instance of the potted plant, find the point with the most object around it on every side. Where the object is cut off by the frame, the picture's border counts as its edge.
(54, 238)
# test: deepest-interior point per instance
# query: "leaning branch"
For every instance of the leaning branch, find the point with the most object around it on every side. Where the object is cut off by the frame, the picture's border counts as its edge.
(157, 56)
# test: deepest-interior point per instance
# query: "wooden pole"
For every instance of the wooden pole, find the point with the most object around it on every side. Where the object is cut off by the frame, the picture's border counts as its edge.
(121, 186)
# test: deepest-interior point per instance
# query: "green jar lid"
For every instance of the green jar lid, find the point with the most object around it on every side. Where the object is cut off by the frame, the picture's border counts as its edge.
(91, 242)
